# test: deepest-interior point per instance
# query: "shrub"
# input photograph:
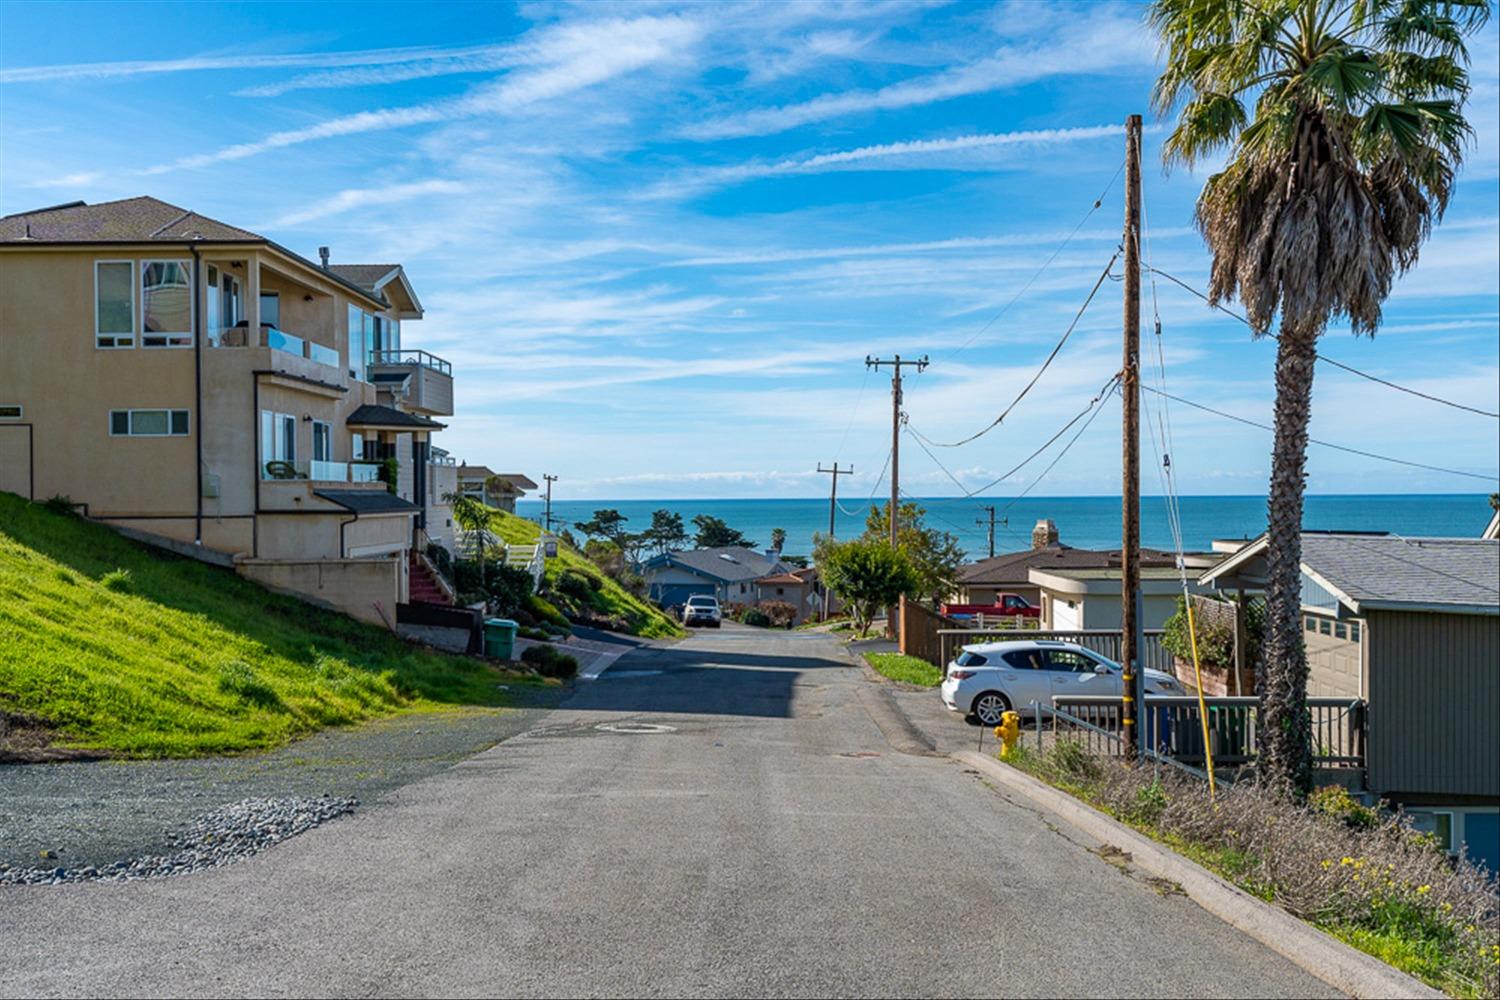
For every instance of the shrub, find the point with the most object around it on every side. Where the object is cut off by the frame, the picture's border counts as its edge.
(117, 580)
(756, 617)
(549, 661)
(547, 611)
(60, 503)
(441, 558)
(781, 613)
(1364, 876)
(577, 585)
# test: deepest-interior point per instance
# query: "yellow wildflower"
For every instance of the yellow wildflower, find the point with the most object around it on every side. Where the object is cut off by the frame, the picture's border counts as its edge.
(1423, 890)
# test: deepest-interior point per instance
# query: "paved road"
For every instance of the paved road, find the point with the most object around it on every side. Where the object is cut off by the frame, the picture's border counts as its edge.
(767, 840)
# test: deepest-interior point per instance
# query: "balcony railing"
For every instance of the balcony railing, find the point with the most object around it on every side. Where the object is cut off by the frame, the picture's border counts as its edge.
(317, 470)
(277, 340)
(421, 358)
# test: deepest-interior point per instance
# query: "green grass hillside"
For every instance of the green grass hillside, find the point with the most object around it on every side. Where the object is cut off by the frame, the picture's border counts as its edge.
(605, 595)
(124, 649)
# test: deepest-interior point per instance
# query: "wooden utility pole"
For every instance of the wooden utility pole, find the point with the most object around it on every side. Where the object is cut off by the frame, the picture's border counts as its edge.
(548, 516)
(1130, 480)
(991, 509)
(833, 493)
(895, 364)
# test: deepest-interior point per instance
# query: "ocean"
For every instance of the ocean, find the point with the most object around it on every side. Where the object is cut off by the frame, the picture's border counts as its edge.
(1084, 522)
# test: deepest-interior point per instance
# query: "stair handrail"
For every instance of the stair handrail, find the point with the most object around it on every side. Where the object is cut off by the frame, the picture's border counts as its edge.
(437, 576)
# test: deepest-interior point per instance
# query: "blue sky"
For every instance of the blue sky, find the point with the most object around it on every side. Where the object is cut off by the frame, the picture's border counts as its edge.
(657, 241)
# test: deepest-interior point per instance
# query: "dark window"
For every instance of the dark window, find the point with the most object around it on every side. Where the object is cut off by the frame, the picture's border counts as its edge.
(1069, 661)
(119, 421)
(1025, 659)
(968, 659)
(179, 421)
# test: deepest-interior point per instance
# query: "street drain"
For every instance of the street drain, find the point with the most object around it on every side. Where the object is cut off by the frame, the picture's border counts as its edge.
(635, 728)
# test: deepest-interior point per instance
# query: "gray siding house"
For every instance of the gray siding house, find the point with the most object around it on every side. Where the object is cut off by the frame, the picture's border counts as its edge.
(1412, 627)
(729, 573)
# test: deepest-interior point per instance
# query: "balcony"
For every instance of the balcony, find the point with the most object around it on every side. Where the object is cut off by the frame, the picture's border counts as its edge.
(277, 340)
(321, 472)
(429, 385)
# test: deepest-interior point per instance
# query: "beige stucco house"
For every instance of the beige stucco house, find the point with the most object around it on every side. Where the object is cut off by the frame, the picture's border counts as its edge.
(199, 385)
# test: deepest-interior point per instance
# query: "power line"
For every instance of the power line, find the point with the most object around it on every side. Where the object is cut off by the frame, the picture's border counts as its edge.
(1040, 371)
(1051, 465)
(970, 494)
(1324, 358)
(1045, 264)
(1325, 444)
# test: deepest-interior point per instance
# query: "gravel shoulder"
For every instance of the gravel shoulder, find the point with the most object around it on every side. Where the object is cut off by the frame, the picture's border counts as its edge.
(78, 814)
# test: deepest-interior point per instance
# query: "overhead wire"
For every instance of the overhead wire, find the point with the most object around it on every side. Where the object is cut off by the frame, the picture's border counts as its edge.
(1324, 358)
(1327, 444)
(1046, 263)
(1040, 371)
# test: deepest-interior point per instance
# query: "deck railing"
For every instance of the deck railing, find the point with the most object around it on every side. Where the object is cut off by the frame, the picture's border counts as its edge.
(1105, 642)
(421, 358)
(1173, 727)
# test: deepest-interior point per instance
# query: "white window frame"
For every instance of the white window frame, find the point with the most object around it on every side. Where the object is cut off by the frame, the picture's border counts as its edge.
(20, 411)
(172, 339)
(134, 310)
(279, 423)
(130, 421)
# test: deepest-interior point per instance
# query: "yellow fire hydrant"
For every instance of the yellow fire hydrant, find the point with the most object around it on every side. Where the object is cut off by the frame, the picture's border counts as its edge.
(1008, 732)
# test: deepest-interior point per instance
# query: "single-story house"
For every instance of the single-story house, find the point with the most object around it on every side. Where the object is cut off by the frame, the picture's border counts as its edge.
(1074, 599)
(1412, 627)
(498, 489)
(729, 573)
(1010, 572)
(800, 588)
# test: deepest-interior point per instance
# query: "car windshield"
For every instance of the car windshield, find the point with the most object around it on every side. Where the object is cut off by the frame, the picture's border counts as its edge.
(702, 601)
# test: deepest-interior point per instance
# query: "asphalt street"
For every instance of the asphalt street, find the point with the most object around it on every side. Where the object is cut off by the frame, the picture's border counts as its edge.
(722, 817)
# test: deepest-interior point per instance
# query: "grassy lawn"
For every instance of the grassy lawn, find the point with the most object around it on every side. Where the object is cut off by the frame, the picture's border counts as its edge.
(134, 652)
(608, 597)
(907, 669)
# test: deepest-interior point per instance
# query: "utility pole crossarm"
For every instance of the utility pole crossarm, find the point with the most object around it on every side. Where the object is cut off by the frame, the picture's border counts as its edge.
(990, 508)
(895, 364)
(833, 493)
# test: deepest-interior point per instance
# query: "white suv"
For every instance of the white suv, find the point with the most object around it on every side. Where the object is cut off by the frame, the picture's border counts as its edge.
(988, 679)
(702, 609)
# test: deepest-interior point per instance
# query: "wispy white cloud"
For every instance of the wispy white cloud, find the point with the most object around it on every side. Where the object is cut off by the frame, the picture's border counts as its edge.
(587, 55)
(352, 198)
(906, 155)
(1093, 43)
(261, 61)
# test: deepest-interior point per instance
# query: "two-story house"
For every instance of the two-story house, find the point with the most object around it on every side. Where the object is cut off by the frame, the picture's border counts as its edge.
(205, 387)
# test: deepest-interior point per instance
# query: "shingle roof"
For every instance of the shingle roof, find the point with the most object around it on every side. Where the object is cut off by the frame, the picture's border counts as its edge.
(370, 415)
(132, 220)
(730, 563)
(1390, 571)
(363, 275)
(368, 501)
(1013, 568)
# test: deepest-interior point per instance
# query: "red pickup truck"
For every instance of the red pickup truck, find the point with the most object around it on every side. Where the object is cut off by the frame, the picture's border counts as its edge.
(1005, 606)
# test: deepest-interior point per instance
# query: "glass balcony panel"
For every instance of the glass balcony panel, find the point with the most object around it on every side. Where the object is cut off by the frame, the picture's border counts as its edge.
(323, 355)
(280, 340)
(364, 472)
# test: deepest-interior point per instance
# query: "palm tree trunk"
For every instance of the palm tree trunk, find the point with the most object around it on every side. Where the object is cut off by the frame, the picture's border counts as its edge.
(1286, 733)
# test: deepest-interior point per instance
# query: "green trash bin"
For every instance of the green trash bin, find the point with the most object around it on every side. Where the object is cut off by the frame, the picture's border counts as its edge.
(499, 638)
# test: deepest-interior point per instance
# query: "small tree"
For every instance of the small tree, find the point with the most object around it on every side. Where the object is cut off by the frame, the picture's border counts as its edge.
(867, 575)
(778, 539)
(666, 532)
(474, 518)
(607, 523)
(934, 554)
(713, 533)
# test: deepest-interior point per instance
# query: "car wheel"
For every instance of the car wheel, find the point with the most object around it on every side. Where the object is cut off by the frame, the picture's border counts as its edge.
(989, 707)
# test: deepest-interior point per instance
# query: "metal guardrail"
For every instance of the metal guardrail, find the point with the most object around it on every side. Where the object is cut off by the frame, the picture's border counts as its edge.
(1105, 642)
(1173, 727)
(1115, 738)
(411, 357)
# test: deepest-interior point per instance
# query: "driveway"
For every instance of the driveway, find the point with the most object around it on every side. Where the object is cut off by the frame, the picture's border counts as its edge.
(719, 817)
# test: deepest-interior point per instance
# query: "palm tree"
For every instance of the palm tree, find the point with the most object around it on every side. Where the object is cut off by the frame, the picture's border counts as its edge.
(1343, 127)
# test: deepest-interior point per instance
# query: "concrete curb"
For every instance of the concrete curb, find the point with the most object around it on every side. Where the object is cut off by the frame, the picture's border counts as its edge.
(893, 724)
(1331, 960)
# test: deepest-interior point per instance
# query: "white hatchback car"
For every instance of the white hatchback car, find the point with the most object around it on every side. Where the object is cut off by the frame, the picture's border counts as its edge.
(988, 679)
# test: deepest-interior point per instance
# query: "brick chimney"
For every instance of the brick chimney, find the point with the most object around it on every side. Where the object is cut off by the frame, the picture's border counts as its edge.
(1044, 534)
